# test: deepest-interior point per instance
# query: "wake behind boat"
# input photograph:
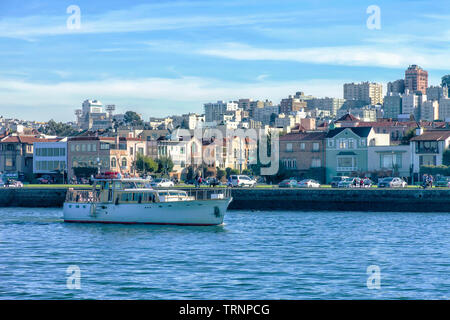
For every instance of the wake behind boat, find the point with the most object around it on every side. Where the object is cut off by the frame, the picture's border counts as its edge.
(114, 200)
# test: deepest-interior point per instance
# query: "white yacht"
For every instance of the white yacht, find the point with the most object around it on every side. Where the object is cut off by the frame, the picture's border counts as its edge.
(133, 201)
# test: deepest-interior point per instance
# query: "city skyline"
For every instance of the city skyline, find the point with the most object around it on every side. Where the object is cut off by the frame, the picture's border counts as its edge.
(169, 58)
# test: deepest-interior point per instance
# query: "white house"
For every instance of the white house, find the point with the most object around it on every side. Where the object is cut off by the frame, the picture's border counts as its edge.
(395, 157)
(428, 148)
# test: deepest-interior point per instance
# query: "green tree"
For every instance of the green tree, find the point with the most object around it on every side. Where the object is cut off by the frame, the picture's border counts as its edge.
(145, 164)
(408, 136)
(220, 173)
(132, 118)
(446, 157)
(165, 165)
(58, 129)
(230, 172)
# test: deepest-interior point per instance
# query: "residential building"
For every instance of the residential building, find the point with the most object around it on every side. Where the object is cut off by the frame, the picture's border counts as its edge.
(396, 87)
(92, 116)
(429, 110)
(16, 155)
(393, 160)
(427, 148)
(367, 92)
(265, 114)
(303, 154)
(101, 154)
(214, 111)
(411, 103)
(292, 104)
(50, 158)
(444, 109)
(332, 105)
(392, 106)
(416, 79)
(436, 93)
(347, 150)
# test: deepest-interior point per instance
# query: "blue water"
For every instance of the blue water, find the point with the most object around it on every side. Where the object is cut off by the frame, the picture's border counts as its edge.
(255, 255)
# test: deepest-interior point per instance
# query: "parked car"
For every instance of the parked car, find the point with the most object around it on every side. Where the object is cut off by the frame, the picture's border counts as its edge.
(308, 183)
(392, 182)
(212, 182)
(443, 182)
(335, 181)
(350, 183)
(242, 181)
(367, 183)
(288, 183)
(45, 179)
(162, 182)
(15, 184)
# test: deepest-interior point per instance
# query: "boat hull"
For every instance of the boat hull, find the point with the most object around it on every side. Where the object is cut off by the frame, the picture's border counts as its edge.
(197, 212)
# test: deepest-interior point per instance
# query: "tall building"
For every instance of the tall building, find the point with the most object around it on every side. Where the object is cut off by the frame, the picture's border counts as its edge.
(392, 106)
(91, 116)
(411, 103)
(429, 110)
(329, 104)
(416, 79)
(291, 104)
(444, 109)
(368, 92)
(436, 93)
(396, 87)
(214, 111)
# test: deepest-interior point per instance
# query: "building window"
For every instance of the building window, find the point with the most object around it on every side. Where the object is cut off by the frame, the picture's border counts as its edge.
(289, 147)
(330, 143)
(124, 162)
(427, 160)
(83, 147)
(351, 144)
(302, 146)
(343, 143)
(316, 163)
(104, 146)
(315, 146)
(363, 142)
(346, 163)
(113, 162)
(390, 160)
(72, 147)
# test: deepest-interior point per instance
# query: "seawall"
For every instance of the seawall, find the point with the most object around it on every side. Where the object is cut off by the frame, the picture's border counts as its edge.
(406, 200)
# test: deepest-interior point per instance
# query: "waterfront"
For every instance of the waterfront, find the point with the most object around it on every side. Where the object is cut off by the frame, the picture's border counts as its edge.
(255, 255)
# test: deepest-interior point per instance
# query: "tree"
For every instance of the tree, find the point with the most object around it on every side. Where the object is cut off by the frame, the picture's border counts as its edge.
(446, 157)
(408, 136)
(58, 129)
(230, 172)
(132, 118)
(145, 164)
(165, 165)
(220, 173)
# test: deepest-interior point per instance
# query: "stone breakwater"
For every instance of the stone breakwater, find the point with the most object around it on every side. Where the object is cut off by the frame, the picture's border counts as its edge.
(405, 200)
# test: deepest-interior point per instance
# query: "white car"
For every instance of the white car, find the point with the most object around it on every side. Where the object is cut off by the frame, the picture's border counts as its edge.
(161, 182)
(242, 181)
(308, 183)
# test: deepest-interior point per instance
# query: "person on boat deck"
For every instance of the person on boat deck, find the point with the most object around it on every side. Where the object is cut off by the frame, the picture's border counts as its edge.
(119, 176)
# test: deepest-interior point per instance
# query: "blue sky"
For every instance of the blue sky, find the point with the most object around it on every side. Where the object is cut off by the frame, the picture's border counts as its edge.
(169, 57)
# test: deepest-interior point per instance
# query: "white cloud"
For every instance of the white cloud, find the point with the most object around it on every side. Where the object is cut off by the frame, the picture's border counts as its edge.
(340, 55)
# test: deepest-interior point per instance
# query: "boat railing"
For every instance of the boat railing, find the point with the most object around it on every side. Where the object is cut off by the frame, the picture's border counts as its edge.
(82, 196)
(208, 193)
